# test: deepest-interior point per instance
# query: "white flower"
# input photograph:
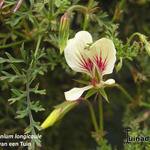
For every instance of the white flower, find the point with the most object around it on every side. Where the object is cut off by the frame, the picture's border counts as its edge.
(96, 59)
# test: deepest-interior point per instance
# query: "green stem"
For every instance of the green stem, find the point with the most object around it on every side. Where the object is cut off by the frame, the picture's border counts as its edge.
(33, 141)
(38, 45)
(145, 104)
(14, 44)
(124, 92)
(85, 21)
(29, 108)
(132, 36)
(83, 9)
(100, 105)
(77, 7)
(92, 115)
(117, 11)
(90, 4)
(28, 97)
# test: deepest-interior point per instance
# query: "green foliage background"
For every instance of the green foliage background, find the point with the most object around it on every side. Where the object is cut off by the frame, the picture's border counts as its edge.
(35, 26)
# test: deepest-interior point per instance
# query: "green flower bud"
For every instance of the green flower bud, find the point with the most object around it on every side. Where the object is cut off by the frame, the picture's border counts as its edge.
(119, 65)
(51, 119)
(58, 113)
(63, 32)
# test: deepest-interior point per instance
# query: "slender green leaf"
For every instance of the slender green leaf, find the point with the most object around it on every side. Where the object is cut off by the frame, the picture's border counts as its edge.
(23, 52)
(36, 107)
(82, 82)
(15, 70)
(12, 59)
(16, 92)
(22, 113)
(2, 60)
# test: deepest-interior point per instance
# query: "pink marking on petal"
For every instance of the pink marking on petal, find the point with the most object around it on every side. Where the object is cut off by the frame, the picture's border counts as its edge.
(87, 65)
(101, 65)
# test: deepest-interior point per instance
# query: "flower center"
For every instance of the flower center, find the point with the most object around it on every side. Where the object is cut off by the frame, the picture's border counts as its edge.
(94, 66)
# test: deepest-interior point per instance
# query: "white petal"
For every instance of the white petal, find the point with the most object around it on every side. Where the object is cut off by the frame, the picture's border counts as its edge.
(109, 82)
(75, 47)
(76, 93)
(106, 49)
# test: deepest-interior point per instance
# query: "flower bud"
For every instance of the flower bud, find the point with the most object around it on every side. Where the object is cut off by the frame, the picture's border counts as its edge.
(119, 65)
(51, 119)
(58, 113)
(109, 82)
(63, 32)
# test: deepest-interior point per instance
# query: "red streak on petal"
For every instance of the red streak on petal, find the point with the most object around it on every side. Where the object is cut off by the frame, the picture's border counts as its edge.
(87, 65)
(101, 65)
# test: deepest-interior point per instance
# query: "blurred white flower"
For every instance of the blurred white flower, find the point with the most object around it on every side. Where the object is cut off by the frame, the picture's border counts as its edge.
(96, 59)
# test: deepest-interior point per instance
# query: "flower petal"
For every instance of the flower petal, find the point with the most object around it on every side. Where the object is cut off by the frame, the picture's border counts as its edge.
(105, 49)
(109, 82)
(76, 93)
(75, 48)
